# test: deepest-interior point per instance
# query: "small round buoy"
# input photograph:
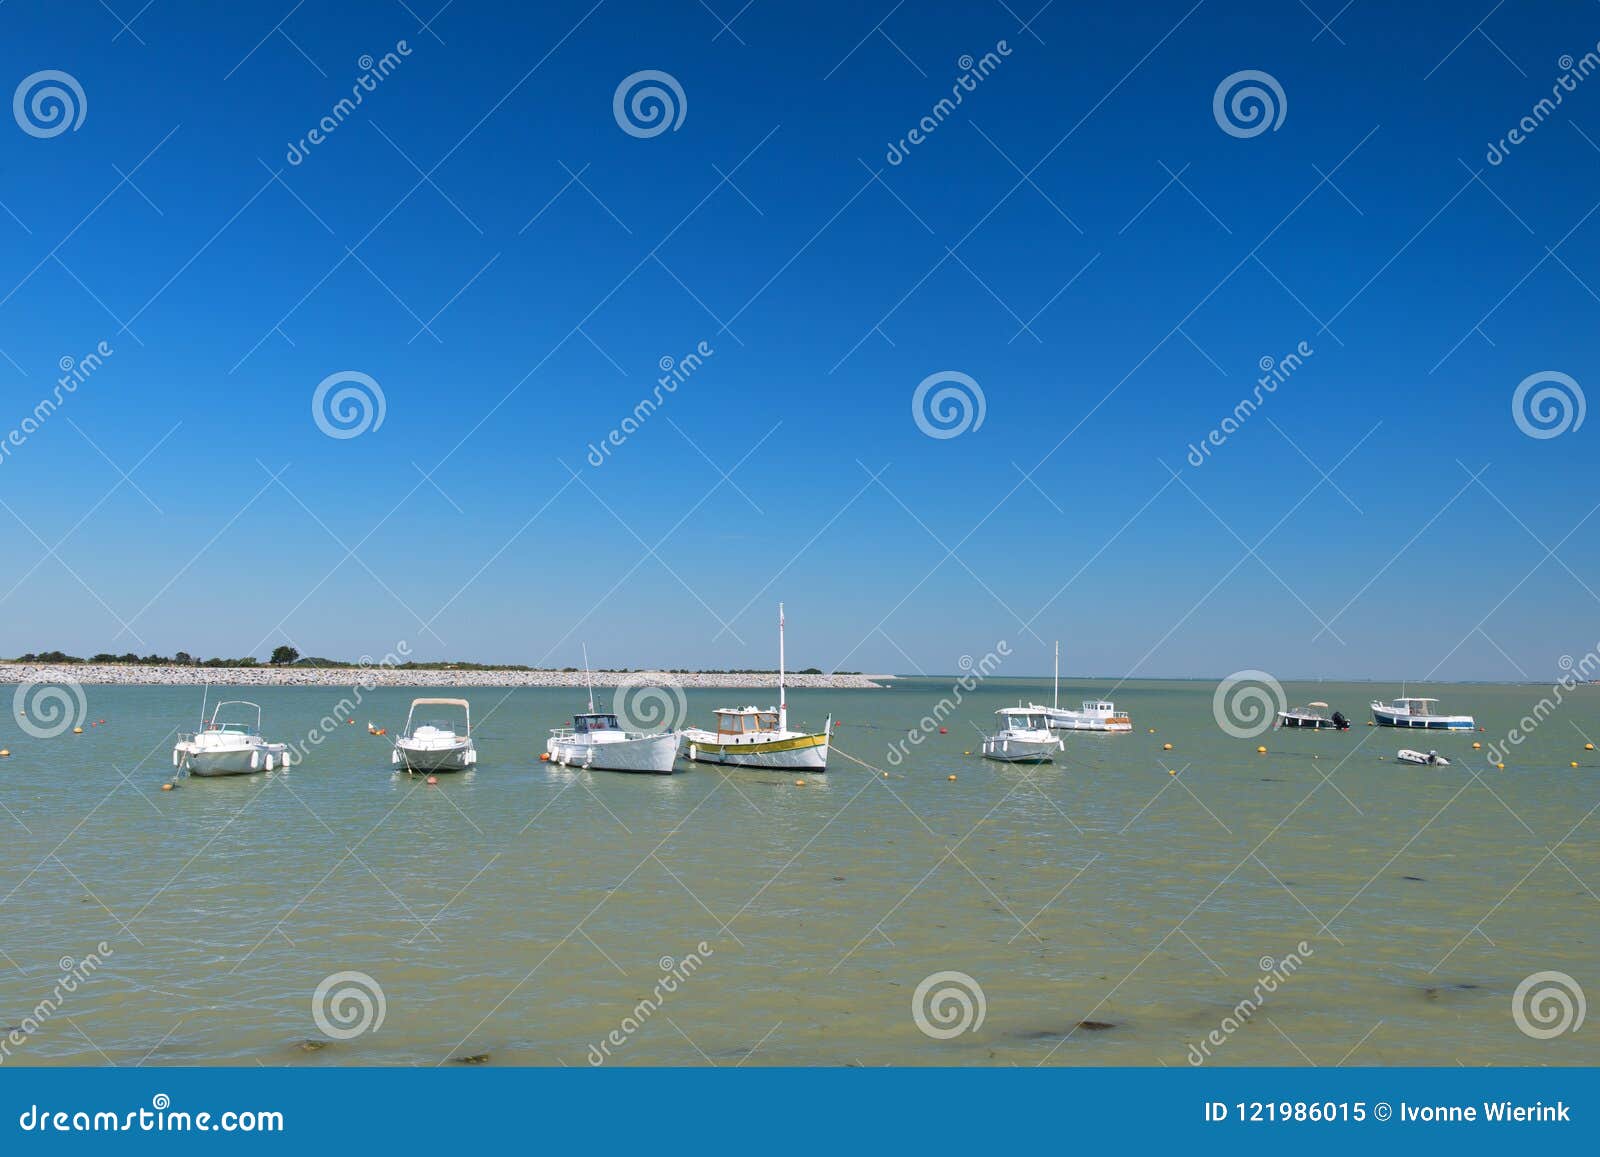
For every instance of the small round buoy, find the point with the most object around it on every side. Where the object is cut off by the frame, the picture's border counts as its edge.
(952, 779)
(1170, 771)
(1588, 747)
(1166, 747)
(886, 775)
(1574, 763)
(1370, 723)
(966, 753)
(5, 753)
(544, 757)
(352, 723)
(944, 731)
(1501, 766)
(166, 787)
(1476, 746)
(799, 783)
(1480, 729)
(432, 780)
(1152, 731)
(1261, 750)
(77, 731)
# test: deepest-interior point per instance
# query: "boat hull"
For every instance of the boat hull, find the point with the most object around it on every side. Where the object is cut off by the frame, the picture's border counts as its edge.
(797, 753)
(1007, 750)
(1388, 718)
(1422, 758)
(455, 758)
(212, 762)
(1309, 724)
(651, 754)
(1107, 725)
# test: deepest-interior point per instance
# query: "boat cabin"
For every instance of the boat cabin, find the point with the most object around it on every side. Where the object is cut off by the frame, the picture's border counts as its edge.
(746, 720)
(584, 724)
(1021, 719)
(1098, 707)
(1414, 706)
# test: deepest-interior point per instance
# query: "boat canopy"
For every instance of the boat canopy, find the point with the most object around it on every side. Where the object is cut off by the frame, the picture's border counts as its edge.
(600, 721)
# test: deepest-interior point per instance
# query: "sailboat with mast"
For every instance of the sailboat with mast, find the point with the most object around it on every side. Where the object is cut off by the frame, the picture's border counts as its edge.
(760, 737)
(597, 741)
(1093, 715)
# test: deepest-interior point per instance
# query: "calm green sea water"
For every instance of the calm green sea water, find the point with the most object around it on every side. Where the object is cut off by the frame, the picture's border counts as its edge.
(522, 912)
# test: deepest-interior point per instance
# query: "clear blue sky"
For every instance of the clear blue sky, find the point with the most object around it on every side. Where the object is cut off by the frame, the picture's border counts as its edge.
(228, 294)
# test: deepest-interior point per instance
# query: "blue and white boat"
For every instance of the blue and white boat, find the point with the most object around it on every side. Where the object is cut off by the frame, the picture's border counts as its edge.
(1419, 713)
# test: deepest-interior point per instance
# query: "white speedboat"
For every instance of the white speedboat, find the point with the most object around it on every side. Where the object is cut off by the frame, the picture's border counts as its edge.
(757, 737)
(1419, 713)
(596, 741)
(1024, 737)
(229, 744)
(1426, 758)
(1313, 717)
(435, 745)
(1094, 715)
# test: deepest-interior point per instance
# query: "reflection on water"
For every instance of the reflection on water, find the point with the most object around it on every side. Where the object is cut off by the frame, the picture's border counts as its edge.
(1103, 910)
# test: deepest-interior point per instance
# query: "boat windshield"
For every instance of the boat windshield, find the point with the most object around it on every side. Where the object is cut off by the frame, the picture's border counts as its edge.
(1023, 721)
(583, 724)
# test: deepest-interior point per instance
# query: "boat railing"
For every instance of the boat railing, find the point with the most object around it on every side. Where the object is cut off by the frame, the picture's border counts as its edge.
(562, 733)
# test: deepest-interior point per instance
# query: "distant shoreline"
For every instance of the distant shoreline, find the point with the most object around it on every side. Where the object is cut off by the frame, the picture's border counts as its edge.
(107, 674)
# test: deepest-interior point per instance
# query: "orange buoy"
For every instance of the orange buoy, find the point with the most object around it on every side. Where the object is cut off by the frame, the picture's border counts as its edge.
(432, 779)
(1476, 746)
(544, 757)
(1261, 750)
(77, 731)
(167, 786)
(952, 779)
(799, 783)
(944, 731)
(5, 753)
(1166, 747)
(1588, 747)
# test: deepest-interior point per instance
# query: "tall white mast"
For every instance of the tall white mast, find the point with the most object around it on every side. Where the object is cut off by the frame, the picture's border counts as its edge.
(1056, 701)
(588, 682)
(783, 699)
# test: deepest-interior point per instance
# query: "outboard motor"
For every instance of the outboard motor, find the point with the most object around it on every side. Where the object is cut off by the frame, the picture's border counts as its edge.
(1340, 721)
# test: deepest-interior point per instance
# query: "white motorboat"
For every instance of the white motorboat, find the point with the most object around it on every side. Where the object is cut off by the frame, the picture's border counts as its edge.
(435, 745)
(1313, 717)
(1024, 737)
(1426, 758)
(757, 737)
(228, 744)
(1094, 715)
(1419, 713)
(596, 741)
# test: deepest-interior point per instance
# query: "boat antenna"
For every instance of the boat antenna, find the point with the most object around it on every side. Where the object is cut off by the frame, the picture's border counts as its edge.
(783, 699)
(588, 682)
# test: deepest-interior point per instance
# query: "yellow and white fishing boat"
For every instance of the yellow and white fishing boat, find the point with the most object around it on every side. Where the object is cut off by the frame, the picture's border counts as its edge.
(760, 737)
